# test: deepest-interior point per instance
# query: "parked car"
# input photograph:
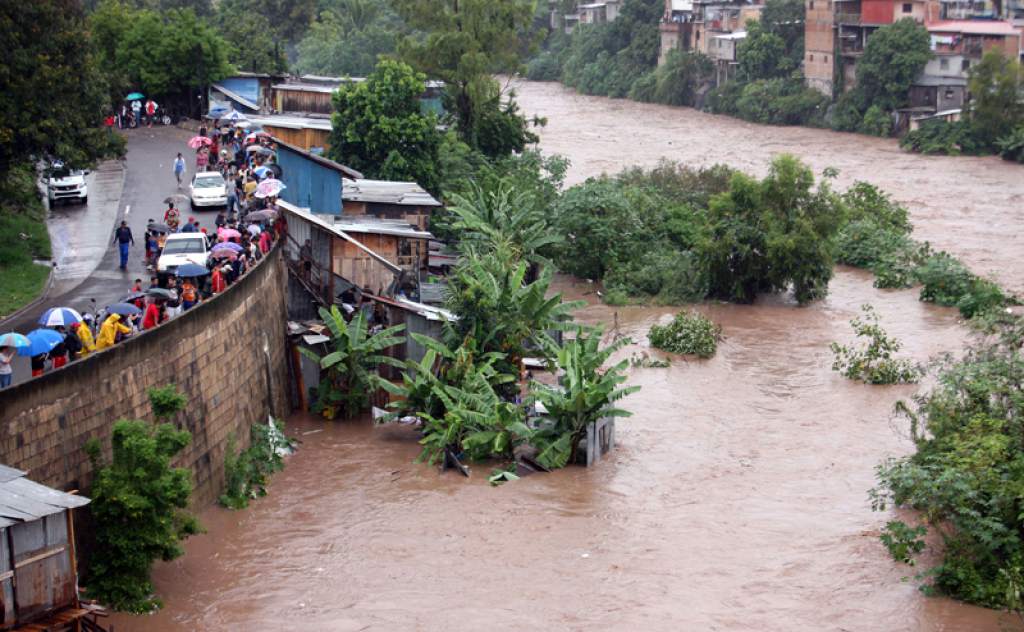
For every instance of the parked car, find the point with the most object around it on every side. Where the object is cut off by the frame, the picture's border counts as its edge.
(65, 185)
(208, 189)
(179, 249)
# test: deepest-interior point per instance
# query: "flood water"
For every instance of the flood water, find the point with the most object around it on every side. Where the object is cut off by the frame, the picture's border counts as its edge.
(735, 500)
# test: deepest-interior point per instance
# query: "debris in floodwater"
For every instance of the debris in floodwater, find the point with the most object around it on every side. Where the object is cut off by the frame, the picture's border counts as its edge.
(309, 432)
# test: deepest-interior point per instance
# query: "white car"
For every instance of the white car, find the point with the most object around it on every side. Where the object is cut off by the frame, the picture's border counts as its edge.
(65, 185)
(208, 189)
(182, 248)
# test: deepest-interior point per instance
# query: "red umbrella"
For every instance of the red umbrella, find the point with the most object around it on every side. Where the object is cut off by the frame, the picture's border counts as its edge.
(252, 137)
(198, 141)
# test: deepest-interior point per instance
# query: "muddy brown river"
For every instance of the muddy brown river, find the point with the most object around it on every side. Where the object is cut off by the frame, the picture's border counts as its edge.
(735, 500)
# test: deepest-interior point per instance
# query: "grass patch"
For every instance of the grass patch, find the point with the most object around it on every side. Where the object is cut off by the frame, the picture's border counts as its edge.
(20, 285)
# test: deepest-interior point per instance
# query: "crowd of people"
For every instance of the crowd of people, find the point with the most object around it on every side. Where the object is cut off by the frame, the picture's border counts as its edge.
(240, 236)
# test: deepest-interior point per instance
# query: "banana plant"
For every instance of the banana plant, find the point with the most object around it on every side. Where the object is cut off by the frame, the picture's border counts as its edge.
(502, 219)
(587, 393)
(351, 367)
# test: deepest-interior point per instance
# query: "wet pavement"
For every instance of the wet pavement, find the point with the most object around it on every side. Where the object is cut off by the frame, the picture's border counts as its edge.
(87, 260)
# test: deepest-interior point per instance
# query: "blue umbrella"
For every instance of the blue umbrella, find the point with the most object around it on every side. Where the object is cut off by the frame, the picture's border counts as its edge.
(59, 316)
(235, 115)
(133, 96)
(192, 270)
(15, 340)
(123, 309)
(259, 171)
(43, 341)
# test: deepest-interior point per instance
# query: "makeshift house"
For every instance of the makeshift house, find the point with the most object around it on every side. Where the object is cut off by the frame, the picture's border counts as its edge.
(38, 573)
(385, 199)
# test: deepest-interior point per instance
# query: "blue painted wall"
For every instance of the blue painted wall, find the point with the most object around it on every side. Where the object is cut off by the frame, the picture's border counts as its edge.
(245, 87)
(308, 183)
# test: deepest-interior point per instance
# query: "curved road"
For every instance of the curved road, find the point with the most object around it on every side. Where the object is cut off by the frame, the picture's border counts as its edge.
(148, 180)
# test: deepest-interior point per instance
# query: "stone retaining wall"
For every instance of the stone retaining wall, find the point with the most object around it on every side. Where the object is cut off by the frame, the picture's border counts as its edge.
(227, 355)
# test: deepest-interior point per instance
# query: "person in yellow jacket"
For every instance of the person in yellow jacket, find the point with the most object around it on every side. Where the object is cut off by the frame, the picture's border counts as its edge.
(108, 332)
(84, 335)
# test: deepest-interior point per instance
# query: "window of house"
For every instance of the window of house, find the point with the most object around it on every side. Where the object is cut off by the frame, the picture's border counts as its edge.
(965, 65)
(907, 7)
(810, 5)
(826, 59)
(812, 56)
(944, 64)
(949, 93)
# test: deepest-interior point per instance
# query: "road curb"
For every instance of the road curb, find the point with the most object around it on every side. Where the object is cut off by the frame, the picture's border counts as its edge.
(33, 305)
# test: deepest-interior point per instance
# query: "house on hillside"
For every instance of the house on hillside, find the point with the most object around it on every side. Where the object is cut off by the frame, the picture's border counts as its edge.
(309, 133)
(722, 51)
(400, 243)
(312, 181)
(311, 95)
(700, 26)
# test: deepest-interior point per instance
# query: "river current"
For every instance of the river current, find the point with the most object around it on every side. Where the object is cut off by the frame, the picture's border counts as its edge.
(736, 498)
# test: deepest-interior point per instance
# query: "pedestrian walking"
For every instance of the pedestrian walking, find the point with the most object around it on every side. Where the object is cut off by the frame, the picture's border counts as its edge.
(124, 239)
(136, 111)
(6, 370)
(179, 169)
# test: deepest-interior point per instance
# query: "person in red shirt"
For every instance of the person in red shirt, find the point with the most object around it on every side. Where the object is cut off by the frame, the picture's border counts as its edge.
(265, 241)
(217, 284)
(152, 316)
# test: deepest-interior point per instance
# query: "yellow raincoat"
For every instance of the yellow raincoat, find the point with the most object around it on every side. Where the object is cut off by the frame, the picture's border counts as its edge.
(85, 335)
(108, 332)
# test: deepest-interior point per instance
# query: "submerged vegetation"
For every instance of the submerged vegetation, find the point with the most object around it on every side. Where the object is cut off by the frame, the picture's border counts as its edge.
(965, 477)
(874, 361)
(246, 473)
(689, 333)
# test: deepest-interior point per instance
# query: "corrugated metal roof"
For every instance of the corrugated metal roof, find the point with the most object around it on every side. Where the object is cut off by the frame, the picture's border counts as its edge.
(305, 215)
(377, 226)
(293, 122)
(306, 87)
(234, 96)
(346, 172)
(22, 500)
(387, 192)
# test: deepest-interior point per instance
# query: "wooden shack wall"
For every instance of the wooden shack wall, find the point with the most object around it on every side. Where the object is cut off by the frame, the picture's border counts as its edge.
(305, 138)
(302, 101)
(43, 577)
(418, 216)
(355, 265)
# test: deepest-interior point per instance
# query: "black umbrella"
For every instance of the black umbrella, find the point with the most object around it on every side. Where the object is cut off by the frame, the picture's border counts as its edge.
(176, 198)
(134, 296)
(123, 309)
(159, 292)
(259, 216)
(158, 227)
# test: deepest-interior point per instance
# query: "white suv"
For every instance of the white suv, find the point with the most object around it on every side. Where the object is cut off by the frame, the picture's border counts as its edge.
(208, 189)
(65, 185)
(179, 249)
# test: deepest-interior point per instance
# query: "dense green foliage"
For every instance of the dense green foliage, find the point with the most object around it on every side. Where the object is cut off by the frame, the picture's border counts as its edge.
(894, 57)
(965, 477)
(778, 101)
(251, 43)
(348, 38)
(22, 218)
(942, 137)
(378, 128)
(349, 370)
(137, 502)
(689, 333)
(246, 473)
(464, 43)
(874, 361)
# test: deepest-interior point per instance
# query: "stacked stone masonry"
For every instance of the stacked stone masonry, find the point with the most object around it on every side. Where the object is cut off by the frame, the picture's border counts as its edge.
(227, 355)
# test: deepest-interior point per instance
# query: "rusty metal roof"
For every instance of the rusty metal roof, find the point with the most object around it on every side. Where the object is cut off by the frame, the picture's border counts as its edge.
(22, 500)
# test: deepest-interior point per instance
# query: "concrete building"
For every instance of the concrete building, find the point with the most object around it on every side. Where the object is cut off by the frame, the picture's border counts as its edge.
(676, 27)
(699, 26)
(722, 51)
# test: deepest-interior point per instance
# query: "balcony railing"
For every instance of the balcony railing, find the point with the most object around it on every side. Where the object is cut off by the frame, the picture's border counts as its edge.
(847, 18)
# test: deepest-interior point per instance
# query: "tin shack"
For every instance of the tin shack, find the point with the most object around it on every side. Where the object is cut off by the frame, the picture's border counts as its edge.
(38, 573)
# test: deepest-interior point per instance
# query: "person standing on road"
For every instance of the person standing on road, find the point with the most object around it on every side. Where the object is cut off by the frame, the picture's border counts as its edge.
(150, 112)
(136, 111)
(179, 169)
(6, 371)
(125, 240)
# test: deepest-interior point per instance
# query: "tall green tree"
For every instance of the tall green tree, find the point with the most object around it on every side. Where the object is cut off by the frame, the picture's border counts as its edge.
(378, 128)
(996, 93)
(894, 57)
(52, 93)
(785, 18)
(251, 42)
(289, 19)
(173, 53)
(464, 43)
(349, 39)
(762, 54)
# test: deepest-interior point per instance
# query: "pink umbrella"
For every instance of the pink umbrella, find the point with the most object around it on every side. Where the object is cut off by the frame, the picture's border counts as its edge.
(252, 137)
(228, 233)
(199, 141)
(269, 188)
(224, 254)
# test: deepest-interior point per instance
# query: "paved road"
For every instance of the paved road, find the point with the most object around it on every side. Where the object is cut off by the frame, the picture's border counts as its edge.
(148, 180)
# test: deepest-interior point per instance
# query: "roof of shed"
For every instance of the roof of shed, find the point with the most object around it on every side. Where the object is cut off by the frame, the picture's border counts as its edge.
(293, 122)
(387, 192)
(234, 96)
(377, 226)
(22, 500)
(346, 172)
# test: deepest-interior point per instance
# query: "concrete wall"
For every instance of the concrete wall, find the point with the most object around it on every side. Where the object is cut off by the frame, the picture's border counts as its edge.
(227, 355)
(819, 46)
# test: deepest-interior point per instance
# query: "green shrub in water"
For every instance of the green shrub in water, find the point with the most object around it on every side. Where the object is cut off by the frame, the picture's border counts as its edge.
(873, 362)
(246, 473)
(946, 281)
(688, 333)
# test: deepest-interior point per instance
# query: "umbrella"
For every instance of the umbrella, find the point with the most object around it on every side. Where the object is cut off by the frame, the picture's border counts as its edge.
(235, 115)
(254, 230)
(134, 296)
(160, 293)
(157, 227)
(59, 316)
(177, 198)
(134, 96)
(261, 171)
(229, 245)
(261, 216)
(123, 309)
(192, 270)
(259, 149)
(269, 188)
(228, 233)
(224, 254)
(15, 340)
(198, 141)
(41, 341)
(254, 136)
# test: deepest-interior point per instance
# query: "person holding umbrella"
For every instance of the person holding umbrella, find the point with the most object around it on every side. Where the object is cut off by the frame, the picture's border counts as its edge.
(109, 330)
(6, 370)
